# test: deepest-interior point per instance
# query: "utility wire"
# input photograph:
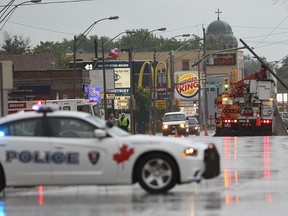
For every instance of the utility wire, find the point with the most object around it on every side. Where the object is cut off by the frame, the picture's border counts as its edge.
(55, 2)
(273, 30)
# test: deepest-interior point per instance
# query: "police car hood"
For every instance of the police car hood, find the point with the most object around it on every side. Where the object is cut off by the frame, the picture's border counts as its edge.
(159, 140)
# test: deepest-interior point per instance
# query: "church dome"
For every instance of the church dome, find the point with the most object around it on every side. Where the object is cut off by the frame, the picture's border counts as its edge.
(219, 27)
(219, 35)
(228, 41)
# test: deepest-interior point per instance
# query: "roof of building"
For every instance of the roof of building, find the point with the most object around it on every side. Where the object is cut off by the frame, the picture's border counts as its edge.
(45, 61)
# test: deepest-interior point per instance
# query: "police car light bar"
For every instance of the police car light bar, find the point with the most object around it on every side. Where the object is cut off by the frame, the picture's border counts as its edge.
(45, 108)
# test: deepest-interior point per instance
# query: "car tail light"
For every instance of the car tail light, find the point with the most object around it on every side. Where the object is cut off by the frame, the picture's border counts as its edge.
(246, 124)
(266, 121)
(230, 121)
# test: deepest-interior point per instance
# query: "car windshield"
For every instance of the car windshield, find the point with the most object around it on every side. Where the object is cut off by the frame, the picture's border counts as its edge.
(174, 117)
(192, 121)
(113, 131)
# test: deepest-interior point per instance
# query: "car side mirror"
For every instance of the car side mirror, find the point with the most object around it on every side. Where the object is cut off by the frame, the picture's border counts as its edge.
(100, 133)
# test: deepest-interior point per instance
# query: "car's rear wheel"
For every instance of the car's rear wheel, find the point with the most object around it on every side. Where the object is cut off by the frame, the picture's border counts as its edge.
(2, 179)
(157, 173)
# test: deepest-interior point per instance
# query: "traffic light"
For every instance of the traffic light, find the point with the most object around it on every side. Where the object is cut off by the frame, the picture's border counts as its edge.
(226, 85)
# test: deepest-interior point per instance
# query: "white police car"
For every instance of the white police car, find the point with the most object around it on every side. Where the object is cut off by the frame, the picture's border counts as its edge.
(48, 147)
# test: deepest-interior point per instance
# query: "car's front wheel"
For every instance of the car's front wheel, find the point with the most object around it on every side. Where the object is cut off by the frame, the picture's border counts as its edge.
(157, 173)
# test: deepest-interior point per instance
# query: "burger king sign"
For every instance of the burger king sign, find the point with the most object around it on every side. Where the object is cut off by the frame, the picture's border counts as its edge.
(186, 85)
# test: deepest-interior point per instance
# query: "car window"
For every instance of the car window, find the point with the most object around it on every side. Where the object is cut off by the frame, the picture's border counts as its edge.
(192, 121)
(27, 127)
(70, 127)
(84, 108)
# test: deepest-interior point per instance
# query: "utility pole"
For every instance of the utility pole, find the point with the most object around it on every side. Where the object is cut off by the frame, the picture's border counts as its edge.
(74, 66)
(96, 48)
(150, 99)
(132, 86)
(104, 82)
(199, 93)
(132, 99)
(172, 78)
(205, 81)
(154, 94)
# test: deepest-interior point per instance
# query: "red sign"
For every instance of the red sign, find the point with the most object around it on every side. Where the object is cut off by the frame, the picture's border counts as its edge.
(16, 105)
(224, 59)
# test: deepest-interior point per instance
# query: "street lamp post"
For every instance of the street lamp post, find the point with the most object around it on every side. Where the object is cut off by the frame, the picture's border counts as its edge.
(132, 99)
(165, 43)
(7, 14)
(152, 84)
(145, 36)
(172, 78)
(75, 46)
(171, 66)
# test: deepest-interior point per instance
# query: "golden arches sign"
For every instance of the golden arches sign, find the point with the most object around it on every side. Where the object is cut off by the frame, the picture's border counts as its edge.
(140, 80)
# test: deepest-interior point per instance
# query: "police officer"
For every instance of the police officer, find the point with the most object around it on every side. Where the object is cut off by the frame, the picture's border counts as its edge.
(123, 122)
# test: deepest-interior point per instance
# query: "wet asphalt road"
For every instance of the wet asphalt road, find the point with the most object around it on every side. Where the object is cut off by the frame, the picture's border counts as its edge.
(253, 181)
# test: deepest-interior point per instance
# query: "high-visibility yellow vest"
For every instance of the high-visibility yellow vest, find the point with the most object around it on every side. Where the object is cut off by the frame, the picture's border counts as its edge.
(124, 122)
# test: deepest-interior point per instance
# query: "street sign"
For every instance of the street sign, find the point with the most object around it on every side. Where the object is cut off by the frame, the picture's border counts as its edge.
(89, 67)
(160, 104)
(121, 102)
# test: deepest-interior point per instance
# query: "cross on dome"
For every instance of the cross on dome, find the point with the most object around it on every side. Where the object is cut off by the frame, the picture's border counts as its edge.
(218, 12)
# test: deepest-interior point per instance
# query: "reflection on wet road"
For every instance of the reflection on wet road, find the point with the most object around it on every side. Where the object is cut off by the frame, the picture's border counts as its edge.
(253, 181)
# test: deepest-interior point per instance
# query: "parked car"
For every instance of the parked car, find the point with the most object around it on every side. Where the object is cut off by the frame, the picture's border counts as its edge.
(194, 126)
(50, 147)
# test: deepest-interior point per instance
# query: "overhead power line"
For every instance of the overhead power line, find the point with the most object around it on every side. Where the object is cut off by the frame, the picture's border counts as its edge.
(55, 2)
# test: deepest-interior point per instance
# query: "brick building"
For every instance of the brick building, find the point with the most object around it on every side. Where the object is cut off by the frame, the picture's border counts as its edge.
(37, 76)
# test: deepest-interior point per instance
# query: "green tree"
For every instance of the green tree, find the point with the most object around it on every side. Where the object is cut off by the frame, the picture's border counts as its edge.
(15, 44)
(251, 66)
(142, 41)
(58, 49)
(282, 73)
(142, 97)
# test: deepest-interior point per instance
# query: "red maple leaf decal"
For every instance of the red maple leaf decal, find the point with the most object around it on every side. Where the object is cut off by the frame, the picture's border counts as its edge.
(124, 154)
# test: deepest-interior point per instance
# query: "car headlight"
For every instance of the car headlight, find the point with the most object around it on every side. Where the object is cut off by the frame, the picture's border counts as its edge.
(189, 152)
(165, 126)
(182, 125)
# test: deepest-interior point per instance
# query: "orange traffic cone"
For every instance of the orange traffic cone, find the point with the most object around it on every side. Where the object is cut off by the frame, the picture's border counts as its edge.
(176, 133)
(206, 132)
(258, 122)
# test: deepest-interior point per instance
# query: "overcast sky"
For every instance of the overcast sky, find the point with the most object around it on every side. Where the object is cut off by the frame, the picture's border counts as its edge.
(262, 24)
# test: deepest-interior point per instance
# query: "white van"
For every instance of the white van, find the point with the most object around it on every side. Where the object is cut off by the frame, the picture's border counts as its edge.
(83, 105)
